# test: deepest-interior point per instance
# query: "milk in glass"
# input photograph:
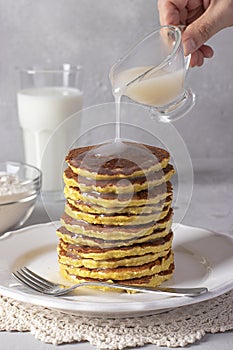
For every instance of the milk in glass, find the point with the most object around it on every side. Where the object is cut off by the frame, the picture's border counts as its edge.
(41, 111)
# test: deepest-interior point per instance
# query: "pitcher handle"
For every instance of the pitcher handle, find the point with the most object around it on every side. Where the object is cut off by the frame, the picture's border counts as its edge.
(187, 61)
(186, 58)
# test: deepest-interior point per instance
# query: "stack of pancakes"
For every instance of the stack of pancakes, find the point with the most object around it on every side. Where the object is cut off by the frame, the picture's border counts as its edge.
(117, 221)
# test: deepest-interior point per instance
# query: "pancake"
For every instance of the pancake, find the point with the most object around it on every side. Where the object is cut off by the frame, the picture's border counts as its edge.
(70, 259)
(77, 227)
(79, 239)
(131, 160)
(147, 281)
(97, 209)
(116, 185)
(137, 249)
(116, 219)
(123, 273)
(113, 200)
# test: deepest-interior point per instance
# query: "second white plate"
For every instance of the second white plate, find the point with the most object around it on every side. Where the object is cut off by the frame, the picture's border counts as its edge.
(202, 258)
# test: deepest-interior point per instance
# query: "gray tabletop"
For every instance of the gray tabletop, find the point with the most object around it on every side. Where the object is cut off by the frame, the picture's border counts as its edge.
(211, 208)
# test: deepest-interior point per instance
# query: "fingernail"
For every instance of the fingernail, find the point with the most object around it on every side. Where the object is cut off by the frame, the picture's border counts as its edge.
(209, 54)
(189, 46)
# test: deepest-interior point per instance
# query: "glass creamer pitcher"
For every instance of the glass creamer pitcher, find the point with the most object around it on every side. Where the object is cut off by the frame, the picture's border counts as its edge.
(153, 73)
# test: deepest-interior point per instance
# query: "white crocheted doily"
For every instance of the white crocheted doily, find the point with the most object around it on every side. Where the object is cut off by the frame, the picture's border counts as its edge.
(178, 327)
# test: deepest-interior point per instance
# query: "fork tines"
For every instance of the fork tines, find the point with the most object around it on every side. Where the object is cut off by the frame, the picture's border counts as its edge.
(32, 280)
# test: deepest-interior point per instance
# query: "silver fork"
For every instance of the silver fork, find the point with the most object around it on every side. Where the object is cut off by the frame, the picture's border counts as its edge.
(44, 286)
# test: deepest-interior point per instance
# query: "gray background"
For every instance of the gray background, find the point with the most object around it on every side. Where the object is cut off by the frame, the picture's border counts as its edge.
(94, 34)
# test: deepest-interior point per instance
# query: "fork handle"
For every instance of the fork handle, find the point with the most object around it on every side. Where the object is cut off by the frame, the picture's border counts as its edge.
(188, 292)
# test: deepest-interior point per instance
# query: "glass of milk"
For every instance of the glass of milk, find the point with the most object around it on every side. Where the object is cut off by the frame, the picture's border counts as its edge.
(153, 73)
(46, 99)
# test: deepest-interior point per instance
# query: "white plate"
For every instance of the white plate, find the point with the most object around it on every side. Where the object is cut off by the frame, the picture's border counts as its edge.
(202, 258)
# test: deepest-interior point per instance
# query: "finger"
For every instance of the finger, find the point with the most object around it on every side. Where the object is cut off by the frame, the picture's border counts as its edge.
(194, 59)
(194, 4)
(207, 51)
(206, 4)
(200, 59)
(183, 16)
(197, 58)
(201, 30)
(169, 11)
(194, 14)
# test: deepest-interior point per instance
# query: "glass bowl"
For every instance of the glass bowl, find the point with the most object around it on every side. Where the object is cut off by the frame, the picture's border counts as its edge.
(20, 186)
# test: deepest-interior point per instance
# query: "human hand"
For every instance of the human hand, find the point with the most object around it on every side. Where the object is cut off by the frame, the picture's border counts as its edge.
(202, 18)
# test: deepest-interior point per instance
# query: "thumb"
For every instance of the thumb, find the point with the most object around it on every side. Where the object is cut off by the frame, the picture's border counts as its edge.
(199, 31)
